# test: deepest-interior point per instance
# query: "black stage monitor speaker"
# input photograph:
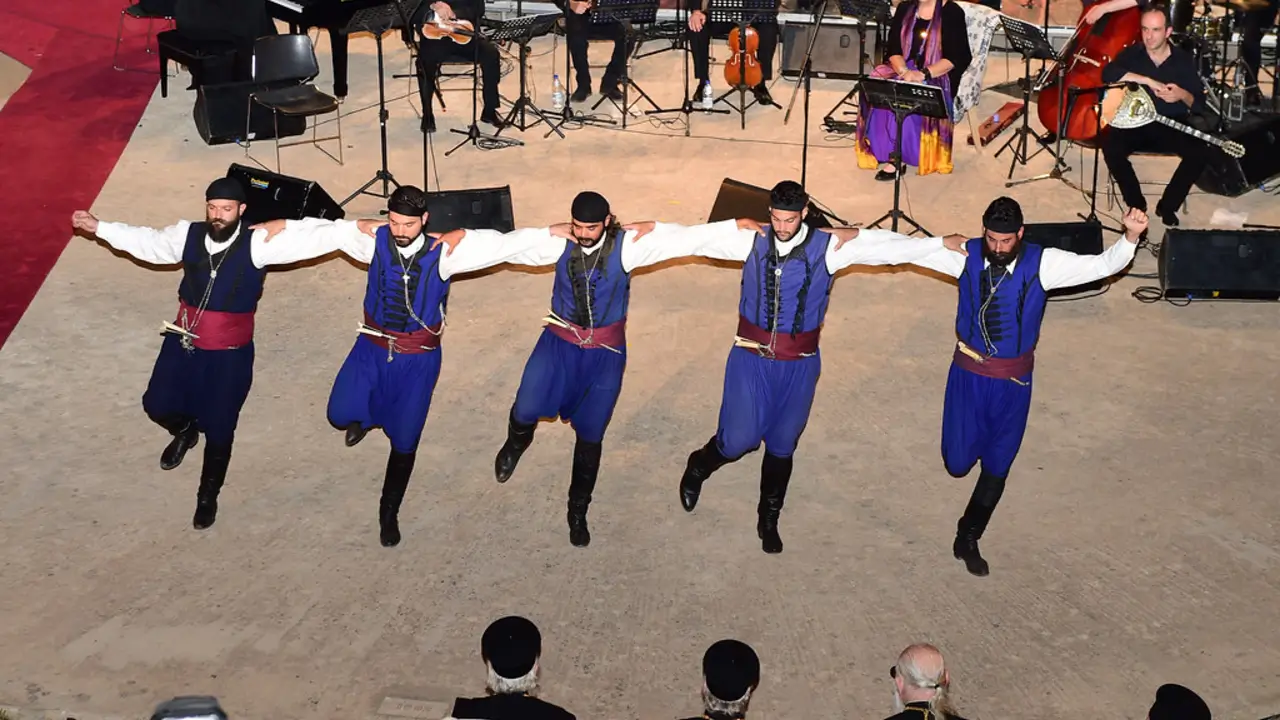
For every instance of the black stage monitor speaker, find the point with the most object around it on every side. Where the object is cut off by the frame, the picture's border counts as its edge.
(1082, 238)
(484, 209)
(740, 200)
(1232, 177)
(835, 54)
(221, 110)
(1220, 263)
(272, 196)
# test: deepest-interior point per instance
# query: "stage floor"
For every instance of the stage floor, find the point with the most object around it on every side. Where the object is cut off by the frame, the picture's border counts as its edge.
(1136, 544)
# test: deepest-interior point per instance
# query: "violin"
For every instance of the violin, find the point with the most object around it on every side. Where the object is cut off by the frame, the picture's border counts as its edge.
(459, 31)
(743, 67)
(1083, 57)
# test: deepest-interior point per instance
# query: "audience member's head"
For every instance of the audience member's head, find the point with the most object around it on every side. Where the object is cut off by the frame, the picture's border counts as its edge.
(510, 648)
(1175, 702)
(730, 672)
(920, 676)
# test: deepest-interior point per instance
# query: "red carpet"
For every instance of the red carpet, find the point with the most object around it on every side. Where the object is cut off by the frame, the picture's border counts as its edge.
(62, 131)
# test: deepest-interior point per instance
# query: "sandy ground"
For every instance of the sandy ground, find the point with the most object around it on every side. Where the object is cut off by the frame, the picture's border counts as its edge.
(1137, 543)
(12, 75)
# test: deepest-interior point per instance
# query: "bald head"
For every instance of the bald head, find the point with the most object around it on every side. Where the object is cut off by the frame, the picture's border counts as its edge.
(921, 674)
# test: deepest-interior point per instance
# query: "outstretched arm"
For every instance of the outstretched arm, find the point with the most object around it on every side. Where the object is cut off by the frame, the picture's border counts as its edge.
(159, 247)
(1059, 268)
(883, 247)
(479, 249)
(281, 242)
(650, 243)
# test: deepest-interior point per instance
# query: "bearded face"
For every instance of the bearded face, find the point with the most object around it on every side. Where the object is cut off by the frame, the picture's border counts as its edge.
(405, 229)
(1001, 248)
(588, 234)
(223, 218)
(785, 223)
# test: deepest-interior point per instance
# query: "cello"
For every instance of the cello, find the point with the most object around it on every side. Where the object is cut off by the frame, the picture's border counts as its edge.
(743, 68)
(1083, 57)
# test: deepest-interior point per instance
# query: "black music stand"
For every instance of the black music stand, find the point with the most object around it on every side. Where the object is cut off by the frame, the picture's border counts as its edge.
(531, 26)
(903, 99)
(1026, 32)
(864, 11)
(377, 21)
(637, 12)
(1027, 39)
(686, 105)
(741, 13)
(508, 30)
(1097, 92)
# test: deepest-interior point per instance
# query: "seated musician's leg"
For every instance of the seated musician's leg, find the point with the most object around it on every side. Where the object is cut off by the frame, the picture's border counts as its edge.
(700, 47)
(430, 53)
(577, 29)
(617, 62)
(768, 33)
(490, 76)
(1195, 156)
(1117, 146)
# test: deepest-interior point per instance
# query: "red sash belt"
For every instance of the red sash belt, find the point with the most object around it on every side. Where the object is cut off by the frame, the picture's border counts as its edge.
(613, 336)
(410, 343)
(785, 345)
(998, 368)
(216, 330)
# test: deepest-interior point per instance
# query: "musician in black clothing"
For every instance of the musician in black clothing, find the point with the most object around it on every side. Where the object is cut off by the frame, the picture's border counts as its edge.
(1254, 24)
(731, 673)
(578, 29)
(1169, 74)
(920, 685)
(510, 648)
(431, 53)
(700, 32)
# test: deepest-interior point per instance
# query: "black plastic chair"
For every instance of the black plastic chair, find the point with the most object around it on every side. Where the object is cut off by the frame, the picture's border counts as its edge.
(280, 59)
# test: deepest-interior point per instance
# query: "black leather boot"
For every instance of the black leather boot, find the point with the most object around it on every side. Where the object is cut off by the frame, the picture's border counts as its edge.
(355, 433)
(702, 462)
(586, 465)
(212, 475)
(185, 437)
(519, 437)
(775, 473)
(399, 468)
(986, 494)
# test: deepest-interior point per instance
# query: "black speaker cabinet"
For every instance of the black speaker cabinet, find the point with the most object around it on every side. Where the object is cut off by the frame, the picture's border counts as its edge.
(740, 200)
(1220, 263)
(221, 112)
(1232, 177)
(1082, 238)
(272, 196)
(835, 54)
(483, 209)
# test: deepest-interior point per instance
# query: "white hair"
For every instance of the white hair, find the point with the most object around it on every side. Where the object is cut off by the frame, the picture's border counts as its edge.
(727, 708)
(935, 687)
(524, 685)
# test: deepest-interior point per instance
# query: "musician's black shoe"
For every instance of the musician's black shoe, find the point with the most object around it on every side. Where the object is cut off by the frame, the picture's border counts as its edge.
(613, 92)
(884, 176)
(696, 99)
(428, 124)
(763, 97)
(491, 117)
(583, 92)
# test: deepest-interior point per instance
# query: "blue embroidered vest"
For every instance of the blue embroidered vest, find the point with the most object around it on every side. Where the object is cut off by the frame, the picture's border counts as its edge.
(592, 291)
(789, 294)
(384, 296)
(239, 283)
(999, 315)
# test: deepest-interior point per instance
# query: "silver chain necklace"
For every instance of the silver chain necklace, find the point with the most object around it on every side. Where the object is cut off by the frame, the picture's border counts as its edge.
(404, 276)
(190, 327)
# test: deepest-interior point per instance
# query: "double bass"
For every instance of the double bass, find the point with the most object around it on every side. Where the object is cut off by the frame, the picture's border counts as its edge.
(1083, 57)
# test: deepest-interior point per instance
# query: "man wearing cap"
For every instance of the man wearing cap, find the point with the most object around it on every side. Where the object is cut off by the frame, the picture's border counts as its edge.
(510, 648)
(205, 367)
(921, 685)
(730, 674)
(575, 370)
(1003, 286)
(1175, 702)
(772, 371)
(390, 374)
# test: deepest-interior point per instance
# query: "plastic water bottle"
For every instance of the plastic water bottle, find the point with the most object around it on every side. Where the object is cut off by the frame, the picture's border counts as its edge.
(708, 97)
(557, 94)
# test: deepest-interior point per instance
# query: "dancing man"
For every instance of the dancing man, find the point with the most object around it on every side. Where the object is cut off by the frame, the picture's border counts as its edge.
(575, 370)
(1003, 286)
(205, 367)
(390, 373)
(773, 368)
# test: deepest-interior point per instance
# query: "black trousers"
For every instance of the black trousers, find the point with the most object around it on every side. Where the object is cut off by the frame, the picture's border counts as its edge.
(1120, 144)
(1254, 26)
(700, 46)
(431, 53)
(578, 30)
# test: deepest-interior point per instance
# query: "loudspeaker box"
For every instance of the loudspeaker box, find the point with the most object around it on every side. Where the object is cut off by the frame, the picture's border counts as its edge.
(835, 54)
(1220, 263)
(221, 112)
(483, 209)
(272, 196)
(1082, 238)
